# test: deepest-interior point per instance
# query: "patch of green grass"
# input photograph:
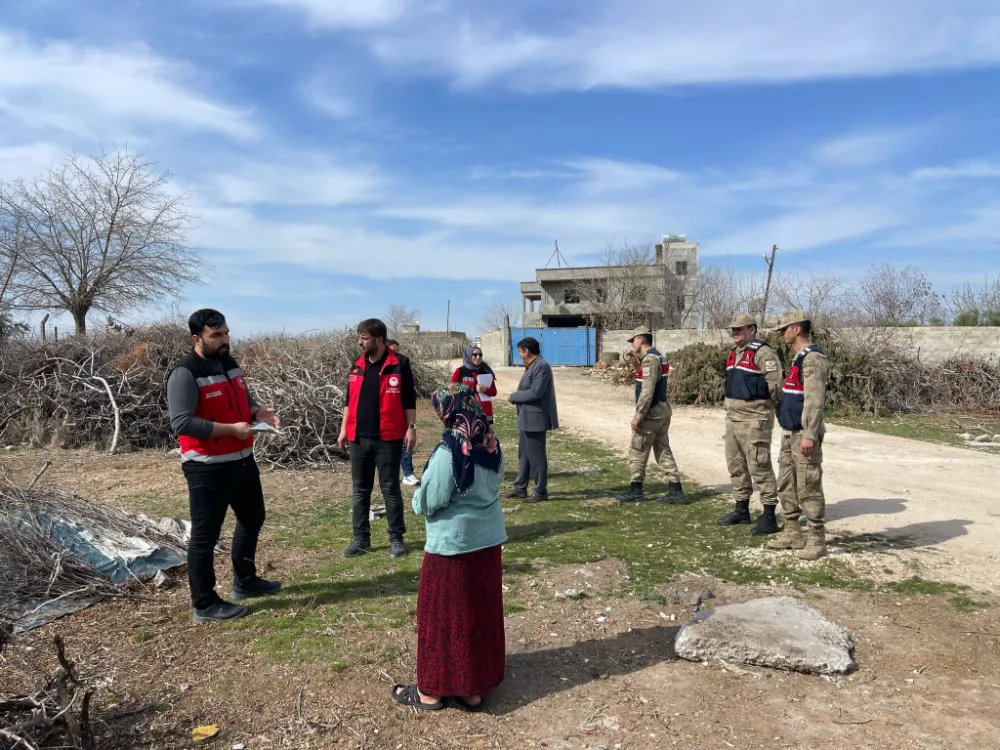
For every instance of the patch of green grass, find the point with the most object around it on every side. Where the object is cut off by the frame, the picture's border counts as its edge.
(512, 608)
(143, 635)
(916, 586)
(929, 428)
(349, 612)
(964, 605)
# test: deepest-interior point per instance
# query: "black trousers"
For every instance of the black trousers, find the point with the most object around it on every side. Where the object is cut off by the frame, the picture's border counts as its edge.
(369, 457)
(532, 461)
(213, 489)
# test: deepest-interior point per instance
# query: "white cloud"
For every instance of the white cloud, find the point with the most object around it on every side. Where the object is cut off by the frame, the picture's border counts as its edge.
(867, 148)
(805, 230)
(296, 179)
(614, 176)
(93, 92)
(598, 43)
(351, 14)
(28, 160)
(967, 170)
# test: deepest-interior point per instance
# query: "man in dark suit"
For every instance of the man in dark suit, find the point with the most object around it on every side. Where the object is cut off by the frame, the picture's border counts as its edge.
(535, 399)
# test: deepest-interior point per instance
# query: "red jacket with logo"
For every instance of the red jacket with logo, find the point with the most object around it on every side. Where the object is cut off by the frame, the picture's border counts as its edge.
(392, 414)
(221, 398)
(467, 377)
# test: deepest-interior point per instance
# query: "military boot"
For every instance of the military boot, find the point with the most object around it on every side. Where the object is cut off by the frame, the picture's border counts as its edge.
(815, 545)
(767, 523)
(675, 495)
(790, 537)
(634, 494)
(740, 514)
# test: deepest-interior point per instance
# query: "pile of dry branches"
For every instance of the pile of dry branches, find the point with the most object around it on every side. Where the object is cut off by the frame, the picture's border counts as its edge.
(36, 567)
(57, 715)
(109, 391)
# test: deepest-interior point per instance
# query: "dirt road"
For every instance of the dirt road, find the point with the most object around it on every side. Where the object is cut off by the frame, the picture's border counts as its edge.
(940, 504)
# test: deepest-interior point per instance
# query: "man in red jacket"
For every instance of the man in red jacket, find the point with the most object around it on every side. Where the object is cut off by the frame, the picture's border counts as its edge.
(380, 419)
(211, 411)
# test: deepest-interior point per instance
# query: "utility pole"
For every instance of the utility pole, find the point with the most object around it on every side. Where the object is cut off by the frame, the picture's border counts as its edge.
(767, 287)
(447, 323)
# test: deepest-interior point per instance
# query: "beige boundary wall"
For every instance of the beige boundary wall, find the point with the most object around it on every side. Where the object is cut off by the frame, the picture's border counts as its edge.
(495, 346)
(930, 344)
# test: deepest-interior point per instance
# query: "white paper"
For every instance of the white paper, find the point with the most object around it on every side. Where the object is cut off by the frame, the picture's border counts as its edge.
(264, 427)
(485, 380)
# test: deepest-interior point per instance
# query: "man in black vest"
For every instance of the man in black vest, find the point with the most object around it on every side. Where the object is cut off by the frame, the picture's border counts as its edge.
(753, 388)
(211, 413)
(800, 481)
(380, 420)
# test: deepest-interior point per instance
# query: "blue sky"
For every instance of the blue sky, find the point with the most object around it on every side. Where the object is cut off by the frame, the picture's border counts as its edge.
(343, 155)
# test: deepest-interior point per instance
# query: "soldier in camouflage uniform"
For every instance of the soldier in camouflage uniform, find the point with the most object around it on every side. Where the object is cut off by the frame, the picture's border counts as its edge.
(800, 482)
(753, 388)
(651, 423)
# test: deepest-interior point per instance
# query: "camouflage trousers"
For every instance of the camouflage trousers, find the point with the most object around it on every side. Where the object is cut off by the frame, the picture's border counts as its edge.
(800, 481)
(748, 458)
(652, 435)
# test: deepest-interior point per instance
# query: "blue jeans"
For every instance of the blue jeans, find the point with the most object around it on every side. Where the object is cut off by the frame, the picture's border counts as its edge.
(407, 463)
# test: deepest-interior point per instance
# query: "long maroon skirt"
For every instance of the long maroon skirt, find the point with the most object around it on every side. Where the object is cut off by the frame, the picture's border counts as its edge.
(461, 648)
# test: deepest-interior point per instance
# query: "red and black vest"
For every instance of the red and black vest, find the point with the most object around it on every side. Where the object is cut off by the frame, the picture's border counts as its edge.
(221, 398)
(392, 415)
(661, 389)
(793, 393)
(744, 380)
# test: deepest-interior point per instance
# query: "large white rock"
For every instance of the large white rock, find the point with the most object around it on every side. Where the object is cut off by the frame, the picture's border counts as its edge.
(778, 632)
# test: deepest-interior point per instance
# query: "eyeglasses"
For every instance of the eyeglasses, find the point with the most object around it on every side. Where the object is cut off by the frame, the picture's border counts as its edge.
(476, 355)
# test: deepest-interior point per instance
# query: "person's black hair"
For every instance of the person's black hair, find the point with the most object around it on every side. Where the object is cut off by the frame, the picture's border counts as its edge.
(530, 344)
(646, 339)
(807, 327)
(391, 342)
(206, 318)
(374, 328)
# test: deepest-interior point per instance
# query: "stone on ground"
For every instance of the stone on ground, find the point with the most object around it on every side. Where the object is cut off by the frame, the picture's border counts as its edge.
(778, 632)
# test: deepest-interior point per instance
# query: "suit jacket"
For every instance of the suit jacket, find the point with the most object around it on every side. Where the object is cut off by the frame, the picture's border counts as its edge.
(536, 399)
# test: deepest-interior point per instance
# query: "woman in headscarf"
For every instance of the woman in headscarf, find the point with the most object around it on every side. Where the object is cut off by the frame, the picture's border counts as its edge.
(476, 374)
(460, 629)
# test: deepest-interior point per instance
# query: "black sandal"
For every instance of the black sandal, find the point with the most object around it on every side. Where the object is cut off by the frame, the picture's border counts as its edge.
(460, 703)
(410, 696)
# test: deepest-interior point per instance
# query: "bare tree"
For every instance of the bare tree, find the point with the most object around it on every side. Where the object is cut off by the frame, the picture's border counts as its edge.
(723, 293)
(496, 315)
(98, 233)
(973, 305)
(888, 296)
(822, 295)
(398, 316)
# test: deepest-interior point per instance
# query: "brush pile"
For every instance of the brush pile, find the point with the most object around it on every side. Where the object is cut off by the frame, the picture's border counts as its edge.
(108, 391)
(57, 715)
(58, 545)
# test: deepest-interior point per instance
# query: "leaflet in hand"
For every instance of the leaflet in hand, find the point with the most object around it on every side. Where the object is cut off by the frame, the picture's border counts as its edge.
(485, 380)
(264, 427)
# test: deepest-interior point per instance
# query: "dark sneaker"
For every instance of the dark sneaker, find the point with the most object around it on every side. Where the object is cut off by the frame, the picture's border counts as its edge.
(633, 495)
(357, 548)
(515, 495)
(739, 515)
(675, 495)
(254, 588)
(220, 612)
(397, 548)
(767, 523)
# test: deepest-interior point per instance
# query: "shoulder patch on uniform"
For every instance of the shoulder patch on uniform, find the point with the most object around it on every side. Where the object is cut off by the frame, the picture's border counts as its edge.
(647, 369)
(770, 366)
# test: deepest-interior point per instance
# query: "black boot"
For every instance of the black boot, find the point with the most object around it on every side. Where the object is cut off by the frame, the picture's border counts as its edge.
(740, 514)
(675, 495)
(767, 523)
(633, 495)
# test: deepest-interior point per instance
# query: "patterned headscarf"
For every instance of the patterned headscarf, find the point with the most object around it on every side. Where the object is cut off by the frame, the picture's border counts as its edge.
(467, 434)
